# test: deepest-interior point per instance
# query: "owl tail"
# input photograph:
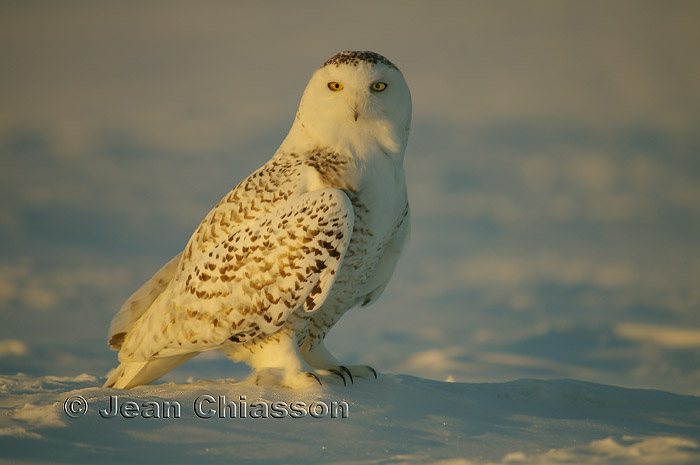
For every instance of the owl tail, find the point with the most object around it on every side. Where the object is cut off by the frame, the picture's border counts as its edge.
(131, 374)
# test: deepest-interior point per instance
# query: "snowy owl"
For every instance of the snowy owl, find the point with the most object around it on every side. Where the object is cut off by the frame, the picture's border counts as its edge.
(314, 232)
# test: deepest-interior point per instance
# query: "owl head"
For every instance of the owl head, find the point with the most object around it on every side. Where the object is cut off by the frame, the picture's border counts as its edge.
(356, 102)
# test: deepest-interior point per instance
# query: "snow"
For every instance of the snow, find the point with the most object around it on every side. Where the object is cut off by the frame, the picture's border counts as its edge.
(396, 419)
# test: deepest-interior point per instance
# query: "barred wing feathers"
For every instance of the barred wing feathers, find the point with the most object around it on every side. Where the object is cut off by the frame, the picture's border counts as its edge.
(245, 287)
(140, 301)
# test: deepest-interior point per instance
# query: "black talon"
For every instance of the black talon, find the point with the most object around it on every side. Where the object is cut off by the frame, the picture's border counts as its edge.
(345, 369)
(311, 375)
(373, 371)
(337, 373)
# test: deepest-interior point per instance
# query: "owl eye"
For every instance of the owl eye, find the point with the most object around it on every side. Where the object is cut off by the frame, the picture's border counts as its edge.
(378, 86)
(335, 86)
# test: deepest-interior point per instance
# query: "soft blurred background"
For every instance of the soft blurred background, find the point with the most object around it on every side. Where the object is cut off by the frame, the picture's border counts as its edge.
(553, 169)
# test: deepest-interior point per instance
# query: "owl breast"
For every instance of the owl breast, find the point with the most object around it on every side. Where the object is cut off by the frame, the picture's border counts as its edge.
(379, 199)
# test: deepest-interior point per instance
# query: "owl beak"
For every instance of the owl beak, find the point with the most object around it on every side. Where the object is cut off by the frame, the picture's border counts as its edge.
(355, 112)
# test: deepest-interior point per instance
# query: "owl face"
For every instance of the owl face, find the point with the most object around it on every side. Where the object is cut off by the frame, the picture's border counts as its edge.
(357, 99)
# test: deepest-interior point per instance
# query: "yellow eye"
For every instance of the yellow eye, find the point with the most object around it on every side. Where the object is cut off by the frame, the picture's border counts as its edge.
(378, 86)
(335, 86)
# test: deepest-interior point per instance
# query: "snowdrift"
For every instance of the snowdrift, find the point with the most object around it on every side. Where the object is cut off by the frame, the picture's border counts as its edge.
(394, 419)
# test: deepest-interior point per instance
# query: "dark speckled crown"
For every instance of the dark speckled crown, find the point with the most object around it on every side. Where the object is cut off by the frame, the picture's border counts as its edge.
(354, 58)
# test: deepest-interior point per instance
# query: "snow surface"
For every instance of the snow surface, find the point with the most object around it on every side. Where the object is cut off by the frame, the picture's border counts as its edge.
(396, 419)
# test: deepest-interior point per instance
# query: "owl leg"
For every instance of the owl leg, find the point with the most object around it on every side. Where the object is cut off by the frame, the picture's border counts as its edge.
(276, 362)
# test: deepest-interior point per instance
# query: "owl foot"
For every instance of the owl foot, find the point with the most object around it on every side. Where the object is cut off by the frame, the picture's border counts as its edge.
(350, 373)
(308, 379)
(345, 369)
(360, 371)
(332, 375)
(312, 375)
(278, 377)
(340, 375)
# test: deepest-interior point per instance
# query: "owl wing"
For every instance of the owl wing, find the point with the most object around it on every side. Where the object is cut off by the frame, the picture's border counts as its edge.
(140, 301)
(246, 285)
(377, 282)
